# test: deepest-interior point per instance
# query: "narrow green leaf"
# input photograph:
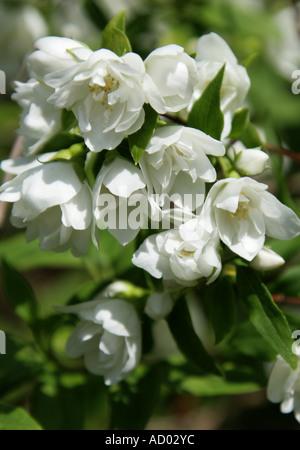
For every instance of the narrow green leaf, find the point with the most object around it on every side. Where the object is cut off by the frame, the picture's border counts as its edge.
(188, 342)
(265, 315)
(114, 37)
(222, 307)
(19, 293)
(68, 154)
(239, 122)
(139, 140)
(68, 120)
(212, 385)
(206, 114)
(134, 404)
(13, 418)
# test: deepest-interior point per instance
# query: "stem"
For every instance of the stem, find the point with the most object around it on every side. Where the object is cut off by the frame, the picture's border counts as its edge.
(281, 298)
(283, 151)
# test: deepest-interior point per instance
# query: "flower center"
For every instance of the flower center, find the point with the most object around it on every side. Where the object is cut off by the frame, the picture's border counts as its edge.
(186, 253)
(111, 84)
(241, 211)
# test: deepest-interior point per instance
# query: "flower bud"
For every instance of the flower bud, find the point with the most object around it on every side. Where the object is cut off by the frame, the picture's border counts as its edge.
(249, 161)
(266, 259)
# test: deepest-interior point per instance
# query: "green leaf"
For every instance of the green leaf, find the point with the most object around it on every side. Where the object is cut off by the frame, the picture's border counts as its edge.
(286, 249)
(133, 404)
(114, 37)
(246, 340)
(293, 319)
(61, 141)
(27, 255)
(206, 114)
(119, 20)
(250, 136)
(213, 385)
(222, 307)
(288, 282)
(19, 293)
(239, 122)
(188, 342)
(138, 141)
(69, 401)
(68, 154)
(19, 366)
(68, 120)
(264, 314)
(13, 418)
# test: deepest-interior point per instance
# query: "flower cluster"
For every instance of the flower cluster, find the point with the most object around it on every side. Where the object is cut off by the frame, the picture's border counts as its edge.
(133, 162)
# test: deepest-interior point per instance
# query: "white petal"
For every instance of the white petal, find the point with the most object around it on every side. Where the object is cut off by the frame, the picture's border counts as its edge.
(280, 372)
(122, 178)
(82, 339)
(49, 185)
(148, 258)
(19, 165)
(118, 317)
(266, 259)
(213, 47)
(77, 212)
(57, 46)
(281, 221)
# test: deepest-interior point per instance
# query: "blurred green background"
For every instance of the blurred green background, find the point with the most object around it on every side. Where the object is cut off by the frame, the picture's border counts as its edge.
(264, 35)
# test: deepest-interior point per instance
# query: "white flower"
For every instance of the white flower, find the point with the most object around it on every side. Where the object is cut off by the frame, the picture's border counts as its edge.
(50, 201)
(243, 212)
(175, 162)
(108, 337)
(173, 75)
(118, 188)
(104, 91)
(251, 161)
(56, 54)
(284, 387)
(212, 53)
(40, 121)
(180, 256)
(266, 259)
(159, 305)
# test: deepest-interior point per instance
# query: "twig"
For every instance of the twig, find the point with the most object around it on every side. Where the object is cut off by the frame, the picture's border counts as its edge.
(283, 151)
(282, 298)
